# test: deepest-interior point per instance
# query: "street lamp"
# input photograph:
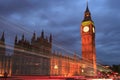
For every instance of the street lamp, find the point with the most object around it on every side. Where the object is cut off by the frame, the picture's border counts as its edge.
(82, 70)
(55, 68)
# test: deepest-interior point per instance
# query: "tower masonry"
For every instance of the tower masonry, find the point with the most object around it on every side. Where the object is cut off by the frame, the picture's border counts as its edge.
(87, 30)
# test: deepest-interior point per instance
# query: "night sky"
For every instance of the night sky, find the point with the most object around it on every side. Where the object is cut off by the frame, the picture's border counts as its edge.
(62, 19)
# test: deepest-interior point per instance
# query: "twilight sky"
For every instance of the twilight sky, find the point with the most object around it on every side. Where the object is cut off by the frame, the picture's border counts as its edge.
(62, 18)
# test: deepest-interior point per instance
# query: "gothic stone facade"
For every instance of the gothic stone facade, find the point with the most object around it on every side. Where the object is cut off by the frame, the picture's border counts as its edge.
(64, 65)
(36, 58)
(32, 58)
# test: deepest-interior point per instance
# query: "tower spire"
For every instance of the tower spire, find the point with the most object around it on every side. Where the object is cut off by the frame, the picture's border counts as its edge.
(87, 14)
(87, 9)
(87, 2)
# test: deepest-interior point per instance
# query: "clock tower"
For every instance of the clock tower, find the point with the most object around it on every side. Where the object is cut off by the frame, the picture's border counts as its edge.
(87, 30)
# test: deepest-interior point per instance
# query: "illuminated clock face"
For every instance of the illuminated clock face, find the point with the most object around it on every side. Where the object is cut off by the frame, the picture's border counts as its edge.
(86, 29)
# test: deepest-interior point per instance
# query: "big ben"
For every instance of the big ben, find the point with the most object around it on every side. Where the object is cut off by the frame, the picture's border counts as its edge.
(87, 30)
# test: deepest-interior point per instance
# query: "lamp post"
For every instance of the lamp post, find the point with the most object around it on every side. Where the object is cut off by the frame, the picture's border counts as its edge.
(82, 70)
(56, 68)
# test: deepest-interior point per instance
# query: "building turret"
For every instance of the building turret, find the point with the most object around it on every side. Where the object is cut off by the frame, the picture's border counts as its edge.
(42, 34)
(33, 37)
(50, 38)
(3, 37)
(16, 39)
(23, 37)
(2, 44)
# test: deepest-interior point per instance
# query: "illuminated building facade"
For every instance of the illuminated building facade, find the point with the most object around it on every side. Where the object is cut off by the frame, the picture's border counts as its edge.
(5, 60)
(62, 65)
(36, 58)
(88, 44)
(32, 58)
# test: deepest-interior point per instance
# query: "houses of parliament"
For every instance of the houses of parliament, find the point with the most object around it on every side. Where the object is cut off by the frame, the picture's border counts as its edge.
(35, 57)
